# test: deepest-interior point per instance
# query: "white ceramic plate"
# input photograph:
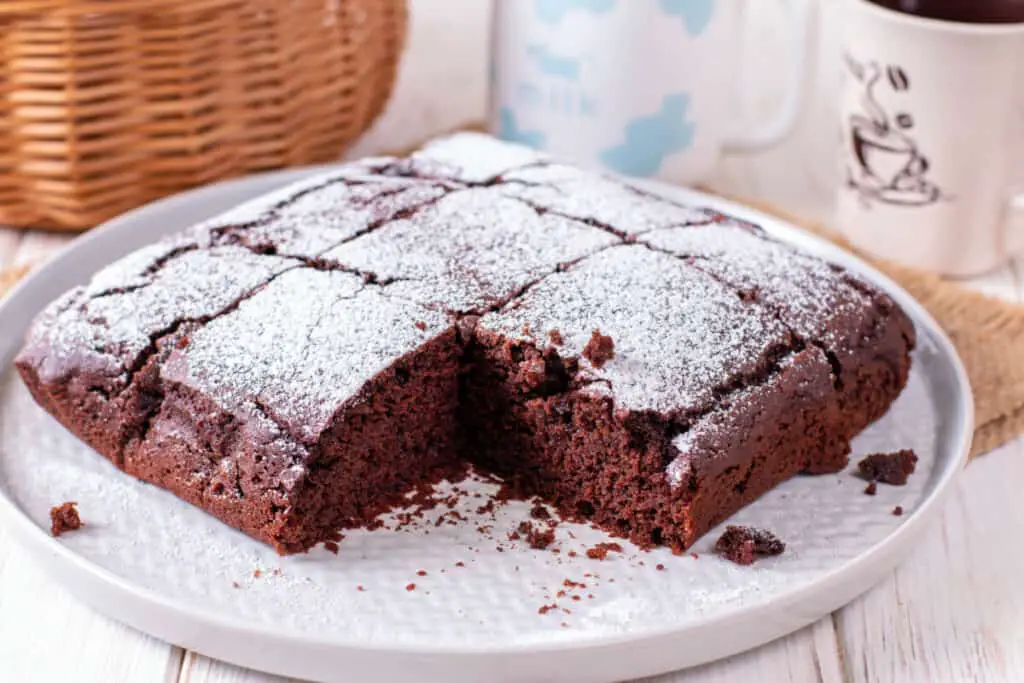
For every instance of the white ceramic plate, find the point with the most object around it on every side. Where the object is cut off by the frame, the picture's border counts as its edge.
(168, 569)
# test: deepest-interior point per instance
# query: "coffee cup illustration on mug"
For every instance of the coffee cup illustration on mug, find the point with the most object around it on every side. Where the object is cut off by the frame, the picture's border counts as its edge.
(932, 116)
(887, 164)
(636, 87)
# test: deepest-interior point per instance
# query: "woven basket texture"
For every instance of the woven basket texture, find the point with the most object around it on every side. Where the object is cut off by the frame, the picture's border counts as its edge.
(108, 104)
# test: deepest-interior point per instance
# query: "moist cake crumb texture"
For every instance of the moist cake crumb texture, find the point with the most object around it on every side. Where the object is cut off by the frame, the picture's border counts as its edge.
(743, 545)
(297, 365)
(63, 518)
(888, 468)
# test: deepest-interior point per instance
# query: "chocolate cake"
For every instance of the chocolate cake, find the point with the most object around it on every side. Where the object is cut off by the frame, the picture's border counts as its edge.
(296, 365)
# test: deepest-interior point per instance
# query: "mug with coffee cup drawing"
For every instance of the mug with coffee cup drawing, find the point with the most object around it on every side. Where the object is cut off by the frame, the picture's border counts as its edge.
(637, 87)
(933, 132)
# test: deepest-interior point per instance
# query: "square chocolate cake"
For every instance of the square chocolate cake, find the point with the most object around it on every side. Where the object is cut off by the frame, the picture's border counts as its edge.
(296, 365)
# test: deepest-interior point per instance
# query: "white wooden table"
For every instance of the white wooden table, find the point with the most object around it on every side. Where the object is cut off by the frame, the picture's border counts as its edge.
(953, 612)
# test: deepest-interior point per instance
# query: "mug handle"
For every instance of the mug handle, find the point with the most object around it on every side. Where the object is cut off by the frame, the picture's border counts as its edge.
(803, 16)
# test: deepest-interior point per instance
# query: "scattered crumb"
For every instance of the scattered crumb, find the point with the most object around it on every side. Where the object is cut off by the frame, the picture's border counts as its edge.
(514, 536)
(660, 567)
(572, 553)
(257, 573)
(556, 337)
(576, 598)
(421, 572)
(898, 511)
(234, 584)
(600, 349)
(564, 625)
(601, 550)
(460, 564)
(871, 489)
(538, 511)
(420, 325)
(544, 609)
(695, 556)
(331, 547)
(276, 571)
(569, 583)
(360, 588)
(410, 587)
(64, 517)
(539, 539)
(590, 596)
(743, 545)
(888, 468)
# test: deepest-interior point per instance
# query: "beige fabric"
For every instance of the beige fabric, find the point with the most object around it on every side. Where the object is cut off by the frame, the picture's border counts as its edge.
(987, 332)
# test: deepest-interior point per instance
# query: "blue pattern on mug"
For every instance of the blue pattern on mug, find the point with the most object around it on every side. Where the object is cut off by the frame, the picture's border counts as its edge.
(552, 64)
(696, 14)
(553, 11)
(509, 130)
(649, 139)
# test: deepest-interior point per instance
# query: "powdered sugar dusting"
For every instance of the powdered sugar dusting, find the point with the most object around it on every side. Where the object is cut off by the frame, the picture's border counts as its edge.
(470, 249)
(107, 333)
(302, 347)
(478, 158)
(808, 295)
(678, 333)
(591, 197)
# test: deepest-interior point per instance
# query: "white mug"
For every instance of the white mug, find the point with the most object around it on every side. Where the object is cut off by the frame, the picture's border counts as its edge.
(933, 140)
(637, 87)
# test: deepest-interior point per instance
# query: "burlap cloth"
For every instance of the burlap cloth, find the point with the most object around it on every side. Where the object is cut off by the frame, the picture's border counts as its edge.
(988, 334)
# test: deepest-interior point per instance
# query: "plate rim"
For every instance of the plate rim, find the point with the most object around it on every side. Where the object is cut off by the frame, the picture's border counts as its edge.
(894, 546)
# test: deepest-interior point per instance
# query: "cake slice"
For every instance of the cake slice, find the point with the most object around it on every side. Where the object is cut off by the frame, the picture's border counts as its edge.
(624, 438)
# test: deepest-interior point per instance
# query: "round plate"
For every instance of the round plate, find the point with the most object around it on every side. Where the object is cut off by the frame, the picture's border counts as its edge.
(459, 602)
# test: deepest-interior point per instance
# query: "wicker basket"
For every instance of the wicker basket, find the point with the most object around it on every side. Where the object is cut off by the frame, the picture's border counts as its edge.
(109, 104)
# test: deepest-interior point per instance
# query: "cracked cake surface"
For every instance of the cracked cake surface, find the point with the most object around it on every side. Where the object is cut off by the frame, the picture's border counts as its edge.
(295, 365)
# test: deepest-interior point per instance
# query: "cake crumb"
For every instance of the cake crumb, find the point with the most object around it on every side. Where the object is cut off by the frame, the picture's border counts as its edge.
(460, 564)
(888, 468)
(420, 325)
(538, 511)
(572, 553)
(556, 337)
(537, 538)
(544, 609)
(421, 572)
(360, 588)
(331, 547)
(234, 584)
(660, 567)
(600, 349)
(743, 545)
(871, 489)
(898, 511)
(410, 587)
(695, 556)
(257, 573)
(601, 550)
(64, 518)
